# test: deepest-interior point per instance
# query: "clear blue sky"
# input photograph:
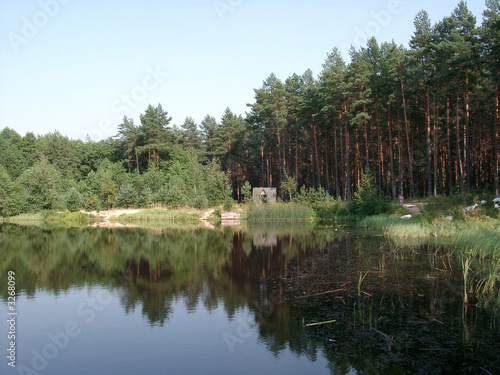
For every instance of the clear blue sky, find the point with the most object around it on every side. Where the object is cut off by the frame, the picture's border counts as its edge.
(79, 66)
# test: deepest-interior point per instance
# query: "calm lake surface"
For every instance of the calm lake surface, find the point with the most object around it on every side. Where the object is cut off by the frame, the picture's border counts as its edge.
(194, 300)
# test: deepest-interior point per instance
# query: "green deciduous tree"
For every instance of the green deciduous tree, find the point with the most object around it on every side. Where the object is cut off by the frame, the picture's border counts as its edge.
(41, 183)
(11, 197)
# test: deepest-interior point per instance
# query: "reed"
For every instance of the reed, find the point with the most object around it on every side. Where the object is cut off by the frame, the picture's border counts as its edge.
(466, 268)
(279, 212)
(360, 281)
(158, 215)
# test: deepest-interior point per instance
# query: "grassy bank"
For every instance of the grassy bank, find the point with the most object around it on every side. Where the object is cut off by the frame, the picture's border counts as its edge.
(473, 238)
(63, 219)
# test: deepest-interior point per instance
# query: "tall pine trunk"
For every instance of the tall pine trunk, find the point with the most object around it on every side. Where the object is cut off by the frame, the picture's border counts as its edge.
(497, 115)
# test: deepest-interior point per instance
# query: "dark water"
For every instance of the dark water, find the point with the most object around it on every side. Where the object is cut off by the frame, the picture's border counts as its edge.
(237, 301)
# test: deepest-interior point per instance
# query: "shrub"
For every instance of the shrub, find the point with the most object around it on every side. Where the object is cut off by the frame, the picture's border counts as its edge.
(228, 204)
(367, 200)
(127, 196)
(94, 203)
(200, 201)
(310, 196)
(175, 192)
(246, 191)
(73, 200)
(289, 185)
(330, 208)
(146, 199)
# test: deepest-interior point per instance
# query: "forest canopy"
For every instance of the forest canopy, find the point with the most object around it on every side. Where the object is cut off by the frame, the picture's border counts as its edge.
(422, 120)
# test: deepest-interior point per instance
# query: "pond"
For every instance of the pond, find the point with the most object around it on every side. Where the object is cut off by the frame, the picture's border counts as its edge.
(259, 299)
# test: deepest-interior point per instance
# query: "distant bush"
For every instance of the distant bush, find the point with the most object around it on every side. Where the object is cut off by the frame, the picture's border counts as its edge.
(310, 196)
(73, 200)
(367, 200)
(146, 199)
(127, 196)
(331, 208)
(228, 204)
(246, 191)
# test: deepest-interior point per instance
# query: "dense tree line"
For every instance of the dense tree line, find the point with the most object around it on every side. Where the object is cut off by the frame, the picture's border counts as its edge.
(421, 120)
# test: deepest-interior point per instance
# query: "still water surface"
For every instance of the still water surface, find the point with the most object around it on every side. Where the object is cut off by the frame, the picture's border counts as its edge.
(194, 300)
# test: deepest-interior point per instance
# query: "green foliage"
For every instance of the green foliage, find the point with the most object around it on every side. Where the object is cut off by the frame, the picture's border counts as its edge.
(107, 188)
(127, 196)
(228, 204)
(153, 179)
(200, 201)
(41, 183)
(156, 133)
(146, 199)
(11, 157)
(216, 184)
(73, 200)
(330, 209)
(60, 152)
(174, 193)
(311, 196)
(11, 197)
(289, 186)
(246, 191)
(367, 200)
(94, 203)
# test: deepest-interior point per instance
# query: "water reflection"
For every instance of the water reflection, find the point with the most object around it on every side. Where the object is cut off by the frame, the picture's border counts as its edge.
(389, 312)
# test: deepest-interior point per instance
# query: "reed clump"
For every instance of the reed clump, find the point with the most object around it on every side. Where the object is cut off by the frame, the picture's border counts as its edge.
(280, 212)
(158, 215)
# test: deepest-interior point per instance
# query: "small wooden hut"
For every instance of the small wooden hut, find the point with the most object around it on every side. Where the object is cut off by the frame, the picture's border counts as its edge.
(264, 195)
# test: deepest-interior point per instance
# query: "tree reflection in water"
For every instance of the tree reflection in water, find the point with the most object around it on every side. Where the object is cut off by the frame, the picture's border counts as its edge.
(398, 312)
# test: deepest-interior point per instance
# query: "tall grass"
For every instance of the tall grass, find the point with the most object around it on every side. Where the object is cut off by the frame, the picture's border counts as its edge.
(279, 212)
(396, 227)
(158, 215)
(62, 219)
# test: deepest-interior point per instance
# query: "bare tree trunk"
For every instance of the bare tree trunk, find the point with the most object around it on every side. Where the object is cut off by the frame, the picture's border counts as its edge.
(327, 174)
(468, 161)
(460, 167)
(497, 115)
(261, 163)
(391, 155)
(342, 160)
(428, 142)
(347, 171)
(316, 155)
(137, 161)
(410, 161)
(280, 162)
(436, 146)
(335, 160)
(448, 141)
